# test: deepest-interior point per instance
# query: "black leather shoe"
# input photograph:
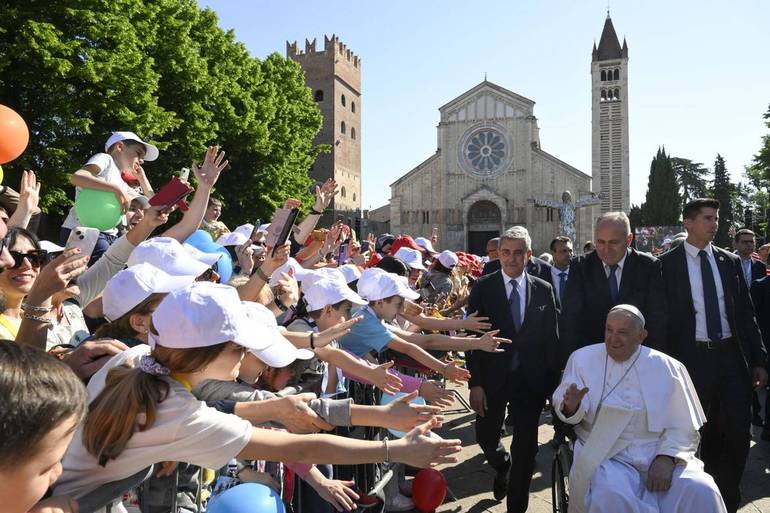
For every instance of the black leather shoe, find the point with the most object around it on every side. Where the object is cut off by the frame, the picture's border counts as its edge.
(500, 486)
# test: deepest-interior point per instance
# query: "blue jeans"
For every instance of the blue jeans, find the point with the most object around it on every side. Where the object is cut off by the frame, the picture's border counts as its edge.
(103, 243)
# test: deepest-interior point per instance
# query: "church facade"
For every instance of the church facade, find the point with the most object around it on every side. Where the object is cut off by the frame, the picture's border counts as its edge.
(489, 169)
(486, 175)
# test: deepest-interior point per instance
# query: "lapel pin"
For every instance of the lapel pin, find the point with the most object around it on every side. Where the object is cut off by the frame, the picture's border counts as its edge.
(541, 308)
(721, 258)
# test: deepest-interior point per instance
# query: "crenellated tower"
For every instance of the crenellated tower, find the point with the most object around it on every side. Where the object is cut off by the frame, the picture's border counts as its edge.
(334, 76)
(609, 107)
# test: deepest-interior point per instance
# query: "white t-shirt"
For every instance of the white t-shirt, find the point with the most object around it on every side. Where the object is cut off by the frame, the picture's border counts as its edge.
(110, 173)
(185, 429)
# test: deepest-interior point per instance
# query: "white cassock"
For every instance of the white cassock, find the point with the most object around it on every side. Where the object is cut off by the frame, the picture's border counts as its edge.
(653, 410)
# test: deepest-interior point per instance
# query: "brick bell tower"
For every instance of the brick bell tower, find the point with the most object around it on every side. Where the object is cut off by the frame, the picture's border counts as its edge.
(334, 76)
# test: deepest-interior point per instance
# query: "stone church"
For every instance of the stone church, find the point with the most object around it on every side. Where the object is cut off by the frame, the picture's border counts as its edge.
(490, 168)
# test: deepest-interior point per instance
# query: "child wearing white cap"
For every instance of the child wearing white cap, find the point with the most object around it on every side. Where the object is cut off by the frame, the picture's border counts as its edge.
(201, 332)
(123, 151)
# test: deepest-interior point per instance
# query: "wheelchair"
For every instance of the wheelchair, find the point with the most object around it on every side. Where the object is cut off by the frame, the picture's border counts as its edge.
(560, 466)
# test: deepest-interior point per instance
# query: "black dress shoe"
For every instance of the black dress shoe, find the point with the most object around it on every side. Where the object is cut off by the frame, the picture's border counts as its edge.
(500, 486)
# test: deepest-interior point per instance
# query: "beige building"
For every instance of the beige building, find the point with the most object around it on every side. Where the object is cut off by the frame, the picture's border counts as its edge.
(334, 76)
(609, 122)
(485, 175)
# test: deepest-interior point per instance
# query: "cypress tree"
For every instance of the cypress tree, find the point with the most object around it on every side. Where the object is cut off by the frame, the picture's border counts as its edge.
(662, 205)
(722, 191)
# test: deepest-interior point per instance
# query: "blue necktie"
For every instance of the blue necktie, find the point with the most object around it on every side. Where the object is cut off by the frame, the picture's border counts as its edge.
(514, 301)
(613, 284)
(713, 318)
(562, 284)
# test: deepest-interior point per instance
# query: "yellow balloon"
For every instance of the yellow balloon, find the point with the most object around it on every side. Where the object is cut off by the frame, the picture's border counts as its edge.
(1, 174)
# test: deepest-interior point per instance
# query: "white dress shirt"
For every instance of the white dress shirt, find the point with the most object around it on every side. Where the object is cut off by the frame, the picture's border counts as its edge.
(696, 288)
(521, 284)
(746, 264)
(618, 271)
(555, 272)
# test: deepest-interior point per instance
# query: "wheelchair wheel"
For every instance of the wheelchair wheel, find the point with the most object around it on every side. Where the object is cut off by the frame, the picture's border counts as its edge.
(562, 461)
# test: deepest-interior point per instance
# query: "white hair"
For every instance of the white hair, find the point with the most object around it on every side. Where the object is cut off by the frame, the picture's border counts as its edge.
(615, 217)
(517, 233)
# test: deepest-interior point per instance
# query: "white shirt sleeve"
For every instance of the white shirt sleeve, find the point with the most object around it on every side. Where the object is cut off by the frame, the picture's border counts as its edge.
(102, 161)
(679, 443)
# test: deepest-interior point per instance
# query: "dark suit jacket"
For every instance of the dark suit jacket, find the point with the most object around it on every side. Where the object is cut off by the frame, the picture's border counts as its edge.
(758, 270)
(536, 341)
(681, 312)
(535, 267)
(587, 300)
(760, 295)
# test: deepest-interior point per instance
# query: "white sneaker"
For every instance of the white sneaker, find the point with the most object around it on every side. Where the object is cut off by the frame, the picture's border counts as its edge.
(399, 503)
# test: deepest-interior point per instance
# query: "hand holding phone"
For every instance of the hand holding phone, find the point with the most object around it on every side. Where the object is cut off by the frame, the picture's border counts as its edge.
(184, 174)
(84, 239)
(171, 194)
(280, 227)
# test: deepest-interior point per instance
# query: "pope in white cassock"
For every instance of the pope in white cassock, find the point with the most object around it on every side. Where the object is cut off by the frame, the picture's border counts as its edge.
(636, 417)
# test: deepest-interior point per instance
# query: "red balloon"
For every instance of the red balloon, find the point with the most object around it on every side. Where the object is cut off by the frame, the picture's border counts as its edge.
(14, 135)
(428, 490)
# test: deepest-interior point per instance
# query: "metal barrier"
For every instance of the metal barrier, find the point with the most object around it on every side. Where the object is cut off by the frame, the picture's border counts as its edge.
(105, 495)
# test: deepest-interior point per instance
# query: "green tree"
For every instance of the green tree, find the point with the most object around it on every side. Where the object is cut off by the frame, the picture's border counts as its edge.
(723, 190)
(759, 171)
(78, 69)
(662, 206)
(691, 177)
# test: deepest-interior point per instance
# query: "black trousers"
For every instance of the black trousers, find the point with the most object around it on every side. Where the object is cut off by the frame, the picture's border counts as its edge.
(724, 389)
(525, 412)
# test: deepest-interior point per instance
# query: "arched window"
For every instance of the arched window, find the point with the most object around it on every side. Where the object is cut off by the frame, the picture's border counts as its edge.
(617, 74)
(604, 95)
(353, 106)
(343, 100)
(318, 96)
(354, 196)
(604, 75)
(342, 127)
(342, 191)
(617, 94)
(352, 132)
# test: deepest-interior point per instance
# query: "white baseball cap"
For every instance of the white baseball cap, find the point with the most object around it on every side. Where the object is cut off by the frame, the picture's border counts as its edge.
(425, 244)
(448, 259)
(331, 273)
(207, 258)
(351, 272)
(299, 272)
(151, 151)
(50, 247)
(205, 314)
(375, 284)
(131, 286)
(169, 255)
(411, 257)
(328, 291)
(280, 352)
(232, 239)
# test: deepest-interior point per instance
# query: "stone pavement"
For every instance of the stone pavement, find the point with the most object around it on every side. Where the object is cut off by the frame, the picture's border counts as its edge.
(470, 480)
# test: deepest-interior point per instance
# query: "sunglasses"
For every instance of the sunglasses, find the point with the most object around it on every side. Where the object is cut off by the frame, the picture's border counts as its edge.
(35, 258)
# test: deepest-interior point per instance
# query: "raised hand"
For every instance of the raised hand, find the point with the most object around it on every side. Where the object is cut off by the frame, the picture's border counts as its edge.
(292, 203)
(432, 392)
(490, 343)
(418, 449)
(29, 191)
(288, 292)
(298, 417)
(273, 262)
(385, 380)
(213, 164)
(572, 398)
(338, 330)
(245, 255)
(404, 416)
(324, 195)
(455, 373)
(476, 323)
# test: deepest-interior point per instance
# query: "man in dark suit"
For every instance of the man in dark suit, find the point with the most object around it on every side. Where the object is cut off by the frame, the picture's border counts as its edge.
(612, 274)
(745, 244)
(523, 308)
(760, 295)
(712, 330)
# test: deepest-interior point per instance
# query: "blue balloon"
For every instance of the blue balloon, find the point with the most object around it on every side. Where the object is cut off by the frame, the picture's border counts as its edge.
(247, 498)
(225, 262)
(387, 399)
(199, 239)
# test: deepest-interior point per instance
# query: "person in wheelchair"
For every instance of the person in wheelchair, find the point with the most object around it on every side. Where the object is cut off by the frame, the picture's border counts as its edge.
(636, 416)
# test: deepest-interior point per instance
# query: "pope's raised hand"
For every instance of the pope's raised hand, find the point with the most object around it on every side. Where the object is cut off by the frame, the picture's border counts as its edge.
(572, 398)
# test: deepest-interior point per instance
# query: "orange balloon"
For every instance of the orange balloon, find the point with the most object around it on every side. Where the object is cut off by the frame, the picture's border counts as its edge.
(14, 135)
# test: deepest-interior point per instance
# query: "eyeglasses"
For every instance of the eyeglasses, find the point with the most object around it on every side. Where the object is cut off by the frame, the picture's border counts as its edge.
(36, 258)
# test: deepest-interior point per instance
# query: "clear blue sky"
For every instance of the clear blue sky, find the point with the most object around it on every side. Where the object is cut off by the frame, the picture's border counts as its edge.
(699, 79)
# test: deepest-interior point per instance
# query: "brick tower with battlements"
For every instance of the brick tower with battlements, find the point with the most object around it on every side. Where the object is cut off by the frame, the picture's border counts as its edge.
(334, 76)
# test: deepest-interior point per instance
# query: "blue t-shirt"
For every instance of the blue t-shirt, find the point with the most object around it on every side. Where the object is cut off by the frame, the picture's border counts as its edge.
(368, 335)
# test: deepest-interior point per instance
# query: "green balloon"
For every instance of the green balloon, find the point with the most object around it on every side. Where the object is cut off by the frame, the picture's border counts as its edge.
(98, 209)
